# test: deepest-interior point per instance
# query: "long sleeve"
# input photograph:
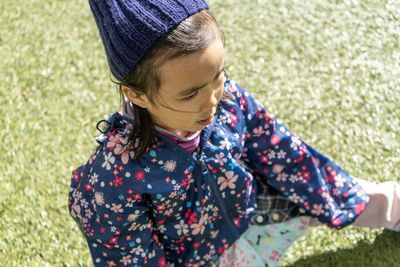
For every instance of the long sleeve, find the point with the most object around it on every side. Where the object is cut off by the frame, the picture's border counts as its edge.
(116, 224)
(305, 176)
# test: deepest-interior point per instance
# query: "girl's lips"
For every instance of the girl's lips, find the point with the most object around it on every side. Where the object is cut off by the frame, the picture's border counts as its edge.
(206, 121)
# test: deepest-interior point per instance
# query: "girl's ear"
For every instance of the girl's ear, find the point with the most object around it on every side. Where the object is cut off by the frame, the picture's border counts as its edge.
(136, 98)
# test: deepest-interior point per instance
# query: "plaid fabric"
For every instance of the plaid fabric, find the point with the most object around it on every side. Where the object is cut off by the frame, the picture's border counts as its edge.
(272, 206)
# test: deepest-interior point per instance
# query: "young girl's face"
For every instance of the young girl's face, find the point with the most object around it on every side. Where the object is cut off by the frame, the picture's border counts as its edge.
(191, 88)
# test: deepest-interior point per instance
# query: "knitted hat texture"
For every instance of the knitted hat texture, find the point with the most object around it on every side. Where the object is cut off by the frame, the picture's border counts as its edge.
(129, 28)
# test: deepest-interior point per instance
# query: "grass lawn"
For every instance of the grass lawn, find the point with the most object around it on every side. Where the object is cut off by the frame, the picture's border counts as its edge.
(329, 69)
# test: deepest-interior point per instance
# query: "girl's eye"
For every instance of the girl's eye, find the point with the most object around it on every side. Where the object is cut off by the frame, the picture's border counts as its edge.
(191, 96)
(221, 74)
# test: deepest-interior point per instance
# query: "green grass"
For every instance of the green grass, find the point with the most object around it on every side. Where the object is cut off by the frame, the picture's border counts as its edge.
(329, 69)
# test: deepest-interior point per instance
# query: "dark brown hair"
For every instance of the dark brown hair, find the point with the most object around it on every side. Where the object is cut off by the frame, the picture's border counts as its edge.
(190, 36)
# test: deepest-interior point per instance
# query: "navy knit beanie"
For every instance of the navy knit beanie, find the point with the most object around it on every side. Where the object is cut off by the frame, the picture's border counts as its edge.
(129, 28)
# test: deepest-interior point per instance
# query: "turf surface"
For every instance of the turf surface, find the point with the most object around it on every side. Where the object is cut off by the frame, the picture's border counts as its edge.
(329, 69)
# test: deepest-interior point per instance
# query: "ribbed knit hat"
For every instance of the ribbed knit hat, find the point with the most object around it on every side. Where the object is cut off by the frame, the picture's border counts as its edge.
(129, 28)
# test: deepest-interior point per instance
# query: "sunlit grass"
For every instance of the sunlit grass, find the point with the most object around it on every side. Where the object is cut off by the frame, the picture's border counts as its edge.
(329, 69)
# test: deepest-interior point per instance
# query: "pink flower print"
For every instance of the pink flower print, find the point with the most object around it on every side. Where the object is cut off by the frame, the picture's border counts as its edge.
(258, 131)
(117, 208)
(339, 181)
(115, 143)
(126, 154)
(236, 222)
(275, 140)
(75, 210)
(264, 159)
(358, 208)
(162, 262)
(117, 181)
(234, 119)
(126, 260)
(220, 159)
(199, 227)
(243, 103)
(317, 209)
(277, 168)
(139, 176)
(275, 255)
(112, 142)
(282, 177)
(336, 222)
(190, 216)
(227, 181)
(88, 187)
(111, 264)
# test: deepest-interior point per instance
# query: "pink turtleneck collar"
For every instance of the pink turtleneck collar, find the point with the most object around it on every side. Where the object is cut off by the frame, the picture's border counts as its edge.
(188, 143)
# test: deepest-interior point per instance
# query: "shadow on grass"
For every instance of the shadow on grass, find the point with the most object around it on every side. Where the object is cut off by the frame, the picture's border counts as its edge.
(384, 252)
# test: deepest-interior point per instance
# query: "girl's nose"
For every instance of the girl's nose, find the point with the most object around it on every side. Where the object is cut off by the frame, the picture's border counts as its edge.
(211, 99)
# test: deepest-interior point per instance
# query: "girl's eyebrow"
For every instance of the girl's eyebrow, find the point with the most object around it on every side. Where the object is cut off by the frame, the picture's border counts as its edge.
(193, 89)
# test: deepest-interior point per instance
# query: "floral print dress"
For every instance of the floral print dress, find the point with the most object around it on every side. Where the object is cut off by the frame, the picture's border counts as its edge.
(260, 245)
(182, 209)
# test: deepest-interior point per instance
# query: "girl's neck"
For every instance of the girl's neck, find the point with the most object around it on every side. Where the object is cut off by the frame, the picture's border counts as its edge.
(182, 135)
(126, 111)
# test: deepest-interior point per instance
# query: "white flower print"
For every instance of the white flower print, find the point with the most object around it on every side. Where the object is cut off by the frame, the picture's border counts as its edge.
(133, 217)
(182, 227)
(108, 161)
(88, 213)
(225, 144)
(161, 228)
(94, 178)
(84, 203)
(169, 166)
(133, 227)
(339, 181)
(294, 198)
(169, 212)
(294, 146)
(117, 208)
(177, 187)
(281, 154)
(137, 250)
(295, 143)
(220, 159)
(99, 198)
(271, 154)
(199, 227)
(228, 181)
(293, 178)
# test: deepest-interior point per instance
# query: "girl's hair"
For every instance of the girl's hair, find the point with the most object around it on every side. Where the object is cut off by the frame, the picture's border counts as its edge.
(191, 35)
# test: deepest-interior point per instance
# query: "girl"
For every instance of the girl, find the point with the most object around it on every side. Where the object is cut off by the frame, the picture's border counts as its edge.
(193, 171)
